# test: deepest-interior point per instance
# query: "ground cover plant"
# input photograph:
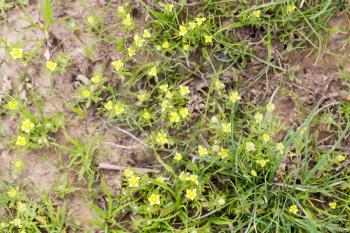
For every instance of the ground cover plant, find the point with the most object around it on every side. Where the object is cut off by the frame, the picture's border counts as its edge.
(174, 116)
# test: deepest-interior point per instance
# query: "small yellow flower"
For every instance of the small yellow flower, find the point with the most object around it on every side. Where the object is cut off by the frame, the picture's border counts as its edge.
(266, 137)
(221, 201)
(193, 178)
(200, 20)
(96, 79)
(258, 117)
(280, 147)
(163, 87)
(234, 97)
(184, 176)
(117, 65)
(118, 109)
(223, 153)
(146, 115)
(340, 158)
(161, 138)
(291, 8)
(134, 181)
(128, 20)
(21, 141)
(249, 146)
(202, 151)
(165, 45)
(208, 39)
(169, 95)
(253, 172)
(86, 93)
(293, 209)
(184, 90)
(121, 10)
(12, 105)
(165, 105)
(18, 164)
(128, 172)
(332, 205)
(226, 127)
(178, 156)
(257, 13)
(154, 199)
(270, 107)
(192, 25)
(219, 86)
(16, 53)
(27, 126)
(186, 47)
(262, 162)
(169, 7)
(91, 20)
(146, 34)
(131, 52)
(51, 65)
(12, 193)
(182, 30)
(138, 41)
(108, 105)
(153, 71)
(174, 117)
(191, 194)
(184, 112)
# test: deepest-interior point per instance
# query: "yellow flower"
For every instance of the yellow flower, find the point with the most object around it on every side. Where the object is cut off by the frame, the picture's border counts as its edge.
(332, 205)
(18, 164)
(174, 117)
(234, 97)
(177, 156)
(27, 126)
(223, 153)
(293, 209)
(169, 95)
(12, 105)
(121, 10)
(202, 150)
(154, 199)
(280, 147)
(91, 20)
(128, 20)
(21, 141)
(134, 181)
(118, 109)
(153, 71)
(226, 127)
(270, 107)
(12, 193)
(192, 25)
(200, 20)
(146, 34)
(253, 172)
(340, 158)
(183, 30)
(131, 52)
(184, 112)
(191, 194)
(117, 65)
(221, 201)
(257, 13)
(208, 39)
(96, 79)
(161, 138)
(16, 53)
(193, 178)
(184, 176)
(262, 162)
(169, 8)
(163, 87)
(51, 65)
(165, 105)
(128, 172)
(186, 47)
(108, 105)
(138, 41)
(146, 115)
(258, 117)
(165, 45)
(184, 90)
(291, 8)
(249, 146)
(266, 137)
(86, 93)
(219, 85)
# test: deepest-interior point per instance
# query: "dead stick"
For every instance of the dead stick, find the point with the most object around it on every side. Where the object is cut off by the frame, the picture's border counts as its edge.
(108, 166)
